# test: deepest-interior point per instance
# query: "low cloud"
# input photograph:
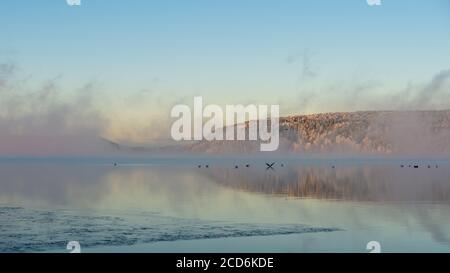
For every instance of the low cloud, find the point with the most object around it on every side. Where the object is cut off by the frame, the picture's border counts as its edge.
(373, 95)
(37, 117)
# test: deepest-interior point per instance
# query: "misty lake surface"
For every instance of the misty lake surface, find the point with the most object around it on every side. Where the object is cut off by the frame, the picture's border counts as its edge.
(200, 204)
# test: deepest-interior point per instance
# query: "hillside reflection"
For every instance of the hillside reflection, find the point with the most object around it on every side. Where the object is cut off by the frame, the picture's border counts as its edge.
(358, 183)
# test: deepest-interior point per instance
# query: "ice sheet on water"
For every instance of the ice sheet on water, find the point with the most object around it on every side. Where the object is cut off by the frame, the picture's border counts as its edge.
(28, 230)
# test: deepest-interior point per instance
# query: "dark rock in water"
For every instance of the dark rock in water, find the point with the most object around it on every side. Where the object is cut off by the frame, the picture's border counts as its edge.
(236, 167)
(416, 166)
(199, 166)
(115, 164)
(248, 165)
(207, 166)
(401, 166)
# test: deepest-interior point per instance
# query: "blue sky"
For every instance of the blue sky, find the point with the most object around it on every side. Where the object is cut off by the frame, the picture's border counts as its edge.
(240, 46)
(309, 56)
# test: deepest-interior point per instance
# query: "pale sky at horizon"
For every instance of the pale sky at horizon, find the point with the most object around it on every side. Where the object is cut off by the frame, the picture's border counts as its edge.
(138, 58)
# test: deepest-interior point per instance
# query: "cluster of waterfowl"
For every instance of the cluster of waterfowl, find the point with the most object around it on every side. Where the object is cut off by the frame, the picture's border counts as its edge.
(269, 165)
(416, 166)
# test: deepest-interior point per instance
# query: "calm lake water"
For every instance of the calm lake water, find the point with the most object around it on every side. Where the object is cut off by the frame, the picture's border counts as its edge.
(233, 205)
